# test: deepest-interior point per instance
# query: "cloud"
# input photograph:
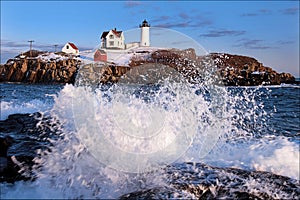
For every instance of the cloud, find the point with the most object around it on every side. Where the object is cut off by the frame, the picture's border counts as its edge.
(180, 42)
(181, 24)
(131, 4)
(287, 11)
(10, 49)
(249, 14)
(222, 33)
(183, 16)
(264, 11)
(173, 25)
(160, 18)
(257, 13)
(180, 20)
(290, 11)
(7, 43)
(84, 48)
(284, 42)
(260, 44)
(252, 44)
(18, 46)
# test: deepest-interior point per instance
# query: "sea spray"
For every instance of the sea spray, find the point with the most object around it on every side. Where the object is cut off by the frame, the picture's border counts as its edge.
(85, 112)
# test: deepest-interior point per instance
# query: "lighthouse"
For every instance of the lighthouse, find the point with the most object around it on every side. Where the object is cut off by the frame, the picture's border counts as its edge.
(145, 34)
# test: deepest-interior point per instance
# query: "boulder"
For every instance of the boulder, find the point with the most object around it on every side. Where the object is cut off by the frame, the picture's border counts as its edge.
(287, 78)
(201, 181)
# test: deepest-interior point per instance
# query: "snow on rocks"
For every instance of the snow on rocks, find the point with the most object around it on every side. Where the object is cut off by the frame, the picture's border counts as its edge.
(51, 56)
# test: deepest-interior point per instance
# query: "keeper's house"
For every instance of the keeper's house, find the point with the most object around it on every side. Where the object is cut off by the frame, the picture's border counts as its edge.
(112, 39)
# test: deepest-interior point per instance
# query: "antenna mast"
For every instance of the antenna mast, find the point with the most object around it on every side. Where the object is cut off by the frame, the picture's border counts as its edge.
(30, 41)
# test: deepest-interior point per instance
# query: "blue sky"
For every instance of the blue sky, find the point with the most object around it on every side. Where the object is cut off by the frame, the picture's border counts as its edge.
(265, 30)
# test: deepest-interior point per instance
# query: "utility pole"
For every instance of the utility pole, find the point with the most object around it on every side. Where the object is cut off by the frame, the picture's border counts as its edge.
(55, 47)
(30, 41)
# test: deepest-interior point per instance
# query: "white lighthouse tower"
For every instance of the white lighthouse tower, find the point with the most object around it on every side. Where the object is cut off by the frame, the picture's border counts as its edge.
(145, 34)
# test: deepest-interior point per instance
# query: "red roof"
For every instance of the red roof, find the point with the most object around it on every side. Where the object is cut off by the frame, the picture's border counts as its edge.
(101, 51)
(117, 33)
(73, 45)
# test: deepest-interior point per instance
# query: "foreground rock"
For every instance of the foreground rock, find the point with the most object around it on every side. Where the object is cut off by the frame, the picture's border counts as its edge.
(40, 68)
(21, 135)
(200, 181)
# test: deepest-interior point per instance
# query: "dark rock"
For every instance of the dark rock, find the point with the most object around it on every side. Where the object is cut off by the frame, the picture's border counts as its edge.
(247, 71)
(287, 78)
(8, 168)
(201, 181)
(21, 135)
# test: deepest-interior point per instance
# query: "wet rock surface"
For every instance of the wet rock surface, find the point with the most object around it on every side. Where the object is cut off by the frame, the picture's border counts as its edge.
(21, 136)
(201, 181)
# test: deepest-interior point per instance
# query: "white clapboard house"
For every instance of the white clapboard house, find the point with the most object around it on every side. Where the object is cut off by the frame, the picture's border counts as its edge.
(112, 39)
(70, 48)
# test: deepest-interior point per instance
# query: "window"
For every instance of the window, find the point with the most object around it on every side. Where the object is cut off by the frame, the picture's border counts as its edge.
(111, 43)
(111, 37)
(67, 47)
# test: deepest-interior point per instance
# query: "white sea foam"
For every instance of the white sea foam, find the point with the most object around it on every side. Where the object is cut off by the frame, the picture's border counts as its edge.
(283, 85)
(284, 160)
(273, 154)
(13, 107)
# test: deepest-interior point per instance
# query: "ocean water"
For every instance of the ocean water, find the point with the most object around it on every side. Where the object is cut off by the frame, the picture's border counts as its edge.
(119, 139)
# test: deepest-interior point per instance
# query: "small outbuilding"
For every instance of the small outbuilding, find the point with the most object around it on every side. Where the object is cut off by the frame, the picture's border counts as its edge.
(100, 55)
(70, 48)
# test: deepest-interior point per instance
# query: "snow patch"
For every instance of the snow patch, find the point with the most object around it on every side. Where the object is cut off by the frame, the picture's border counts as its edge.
(51, 56)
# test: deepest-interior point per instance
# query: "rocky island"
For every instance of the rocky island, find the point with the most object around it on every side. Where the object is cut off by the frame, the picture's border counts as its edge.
(49, 68)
